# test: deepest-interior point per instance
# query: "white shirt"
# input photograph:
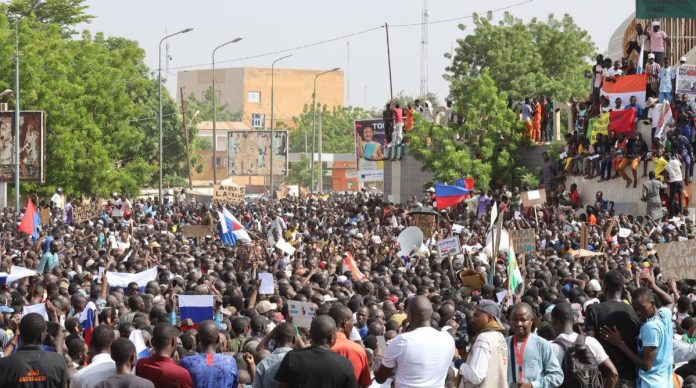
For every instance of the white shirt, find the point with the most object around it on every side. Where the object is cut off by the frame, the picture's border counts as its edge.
(474, 370)
(57, 201)
(421, 357)
(613, 72)
(102, 367)
(592, 344)
(673, 168)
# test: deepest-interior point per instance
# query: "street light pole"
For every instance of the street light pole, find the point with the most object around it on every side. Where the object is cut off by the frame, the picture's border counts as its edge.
(17, 180)
(314, 120)
(214, 110)
(273, 118)
(159, 83)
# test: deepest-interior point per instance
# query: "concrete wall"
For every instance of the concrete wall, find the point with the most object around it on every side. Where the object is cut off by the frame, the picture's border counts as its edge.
(404, 179)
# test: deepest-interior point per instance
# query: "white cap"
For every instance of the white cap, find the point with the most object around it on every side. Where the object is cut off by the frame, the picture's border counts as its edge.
(682, 59)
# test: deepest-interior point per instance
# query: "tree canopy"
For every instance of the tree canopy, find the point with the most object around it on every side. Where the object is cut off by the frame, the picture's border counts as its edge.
(526, 59)
(100, 100)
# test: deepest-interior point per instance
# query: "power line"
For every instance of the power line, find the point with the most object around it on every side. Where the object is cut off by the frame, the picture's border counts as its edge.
(343, 37)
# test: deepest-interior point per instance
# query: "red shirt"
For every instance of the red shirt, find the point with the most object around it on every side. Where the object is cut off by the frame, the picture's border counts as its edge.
(575, 198)
(398, 115)
(163, 372)
(357, 356)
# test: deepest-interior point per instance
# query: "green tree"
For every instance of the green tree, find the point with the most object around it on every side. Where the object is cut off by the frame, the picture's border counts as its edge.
(64, 13)
(101, 105)
(488, 137)
(300, 173)
(204, 108)
(526, 60)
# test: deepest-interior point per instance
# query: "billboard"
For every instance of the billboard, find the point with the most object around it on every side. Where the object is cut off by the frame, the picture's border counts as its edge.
(249, 153)
(370, 140)
(31, 146)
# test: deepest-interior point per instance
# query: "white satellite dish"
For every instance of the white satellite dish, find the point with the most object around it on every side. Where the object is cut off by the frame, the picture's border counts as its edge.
(410, 239)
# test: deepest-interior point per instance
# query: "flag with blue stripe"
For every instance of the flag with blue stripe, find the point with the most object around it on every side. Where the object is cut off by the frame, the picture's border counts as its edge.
(197, 308)
(141, 350)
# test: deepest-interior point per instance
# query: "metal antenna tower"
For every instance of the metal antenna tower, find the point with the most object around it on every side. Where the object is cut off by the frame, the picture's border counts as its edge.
(424, 50)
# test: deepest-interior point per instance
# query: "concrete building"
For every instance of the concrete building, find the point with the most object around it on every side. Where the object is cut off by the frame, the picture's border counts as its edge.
(248, 90)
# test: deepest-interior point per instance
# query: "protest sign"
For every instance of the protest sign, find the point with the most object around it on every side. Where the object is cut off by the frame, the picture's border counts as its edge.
(534, 197)
(267, 285)
(86, 212)
(197, 231)
(677, 259)
(449, 246)
(686, 80)
(524, 240)
(302, 313)
(285, 247)
(425, 222)
(45, 215)
(229, 194)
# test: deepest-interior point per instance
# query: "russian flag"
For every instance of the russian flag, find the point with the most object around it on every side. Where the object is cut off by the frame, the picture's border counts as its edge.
(141, 350)
(450, 195)
(231, 229)
(88, 321)
(467, 183)
(198, 308)
(31, 221)
(625, 87)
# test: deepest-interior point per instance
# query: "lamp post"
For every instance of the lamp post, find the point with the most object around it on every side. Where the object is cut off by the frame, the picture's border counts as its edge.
(159, 83)
(273, 117)
(314, 119)
(16, 119)
(235, 40)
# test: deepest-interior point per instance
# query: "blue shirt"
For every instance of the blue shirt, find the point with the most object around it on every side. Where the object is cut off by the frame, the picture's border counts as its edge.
(47, 244)
(48, 261)
(541, 367)
(212, 370)
(639, 109)
(666, 76)
(657, 332)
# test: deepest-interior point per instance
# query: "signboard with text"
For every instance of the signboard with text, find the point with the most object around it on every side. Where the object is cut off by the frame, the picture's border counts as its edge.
(677, 259)
(229, 194)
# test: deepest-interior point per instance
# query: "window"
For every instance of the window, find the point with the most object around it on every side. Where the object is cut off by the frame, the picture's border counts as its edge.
(254, 97)
(258, 120)
(220, 161)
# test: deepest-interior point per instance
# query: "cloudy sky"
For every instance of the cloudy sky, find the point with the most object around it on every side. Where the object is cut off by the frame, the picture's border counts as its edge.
(269, 26)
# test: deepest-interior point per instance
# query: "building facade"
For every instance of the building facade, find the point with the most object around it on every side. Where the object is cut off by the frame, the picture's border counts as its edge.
(248, 90)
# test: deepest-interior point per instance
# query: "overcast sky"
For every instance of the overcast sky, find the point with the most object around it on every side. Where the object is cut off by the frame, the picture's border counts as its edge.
(275, 25)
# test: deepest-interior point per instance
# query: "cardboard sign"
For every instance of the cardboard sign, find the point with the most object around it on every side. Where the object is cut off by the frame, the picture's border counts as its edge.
(524, 240)
(534, 198)
(45, 215)
(86, 212)
(425, 222)
(197, 231)
(285, 247)
(584, 236)
(677, 259)
(449, 246)
(302, 313)
(229, 194)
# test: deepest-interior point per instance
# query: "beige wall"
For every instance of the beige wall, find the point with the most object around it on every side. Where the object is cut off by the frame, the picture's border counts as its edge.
(293, 89)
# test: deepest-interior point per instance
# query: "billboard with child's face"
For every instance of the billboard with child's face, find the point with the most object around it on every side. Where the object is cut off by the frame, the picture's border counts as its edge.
(370, 140)
(31, 146)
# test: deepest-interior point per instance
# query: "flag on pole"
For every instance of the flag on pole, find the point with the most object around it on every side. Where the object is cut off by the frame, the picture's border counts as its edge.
(514, 274)
(625, 87)
(448, 196)
(31, 221)
(231, 230)
(639, 70)
(141, 350)
(88, 321)
(197, 308)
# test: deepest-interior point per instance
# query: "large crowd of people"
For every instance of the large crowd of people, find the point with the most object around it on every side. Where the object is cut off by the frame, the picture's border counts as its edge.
(382, 318)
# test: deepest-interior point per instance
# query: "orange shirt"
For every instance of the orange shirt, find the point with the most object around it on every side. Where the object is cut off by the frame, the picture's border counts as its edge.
(357, 356)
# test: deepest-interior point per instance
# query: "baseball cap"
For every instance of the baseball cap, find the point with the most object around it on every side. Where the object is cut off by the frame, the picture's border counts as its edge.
(682, 59)
(594, 285)
(265, 306)
(491, 308)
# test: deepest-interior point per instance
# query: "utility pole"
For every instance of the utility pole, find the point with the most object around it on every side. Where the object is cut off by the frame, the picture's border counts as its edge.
(391, 88)
(321, 150)
(186, 134)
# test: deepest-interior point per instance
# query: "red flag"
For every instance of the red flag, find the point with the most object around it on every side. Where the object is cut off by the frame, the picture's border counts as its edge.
(27, 226)
(623, 121)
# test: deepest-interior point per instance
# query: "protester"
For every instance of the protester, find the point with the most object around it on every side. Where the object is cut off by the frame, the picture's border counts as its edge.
(124, 357)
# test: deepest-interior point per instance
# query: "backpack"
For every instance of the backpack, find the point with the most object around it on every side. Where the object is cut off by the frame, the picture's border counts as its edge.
(580, 369)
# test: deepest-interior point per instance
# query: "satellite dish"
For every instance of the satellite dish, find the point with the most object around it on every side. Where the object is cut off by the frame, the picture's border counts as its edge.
(410, 239)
